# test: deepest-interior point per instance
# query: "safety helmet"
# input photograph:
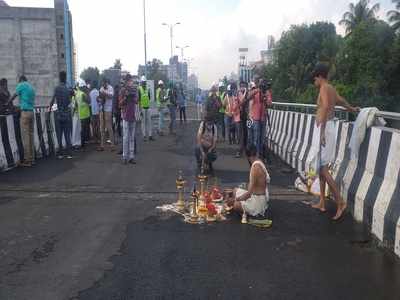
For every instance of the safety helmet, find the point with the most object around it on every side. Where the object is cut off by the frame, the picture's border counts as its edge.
(143, 79)
(221, 84)
(81, 83)
(252, 85)
(160, 82)
(229, 88)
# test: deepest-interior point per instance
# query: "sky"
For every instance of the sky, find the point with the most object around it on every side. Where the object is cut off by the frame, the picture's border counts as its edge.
(105, 30)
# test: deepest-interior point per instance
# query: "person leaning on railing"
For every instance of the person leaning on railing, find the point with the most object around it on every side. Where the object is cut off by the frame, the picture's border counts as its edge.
(26, 94)
(6, 106)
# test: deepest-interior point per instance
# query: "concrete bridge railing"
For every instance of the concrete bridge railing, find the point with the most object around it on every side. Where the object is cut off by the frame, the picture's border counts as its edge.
(11, 148)
(370, 184)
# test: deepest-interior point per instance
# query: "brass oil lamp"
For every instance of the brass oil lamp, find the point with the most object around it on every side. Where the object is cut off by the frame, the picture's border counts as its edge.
(202, 209)
(180, 185)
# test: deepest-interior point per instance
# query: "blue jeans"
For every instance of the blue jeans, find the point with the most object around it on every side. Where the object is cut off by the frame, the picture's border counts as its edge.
(128, 141)
(253, 133)
(228, 121)
(263, 133)
(161, 114)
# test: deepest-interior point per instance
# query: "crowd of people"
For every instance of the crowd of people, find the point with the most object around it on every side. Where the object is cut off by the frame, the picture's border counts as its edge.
(237, 115)
(101, 115)
(234, 115)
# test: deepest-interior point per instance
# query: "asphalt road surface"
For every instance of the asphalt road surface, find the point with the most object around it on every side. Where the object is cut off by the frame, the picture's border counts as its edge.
(88, 229)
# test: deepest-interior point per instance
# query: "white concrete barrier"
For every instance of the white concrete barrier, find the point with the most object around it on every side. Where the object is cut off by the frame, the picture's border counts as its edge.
(370, 185)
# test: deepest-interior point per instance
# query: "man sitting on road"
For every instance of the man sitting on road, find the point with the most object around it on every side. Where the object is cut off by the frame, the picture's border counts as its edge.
(205, 151)
(254, 201)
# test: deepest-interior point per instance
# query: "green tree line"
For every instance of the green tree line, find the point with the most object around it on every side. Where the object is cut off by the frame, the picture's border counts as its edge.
(364, 64)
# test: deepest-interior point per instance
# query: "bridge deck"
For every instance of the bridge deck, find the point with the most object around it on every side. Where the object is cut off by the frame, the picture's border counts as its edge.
(88, 228)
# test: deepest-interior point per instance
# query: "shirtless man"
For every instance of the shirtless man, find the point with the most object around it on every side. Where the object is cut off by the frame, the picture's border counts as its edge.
(254, 201)
(325, 128)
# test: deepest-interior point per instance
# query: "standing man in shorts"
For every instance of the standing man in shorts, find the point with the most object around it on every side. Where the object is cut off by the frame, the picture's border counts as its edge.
(325, 136)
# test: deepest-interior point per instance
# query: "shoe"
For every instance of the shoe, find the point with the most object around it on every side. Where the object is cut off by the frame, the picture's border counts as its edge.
(132, 161)
(100, 149)
(69, 157)
(238, 155)
(125, 161)
(151, 139)
(145, 139)
(120, 152)
(25, 164)
(60, 156)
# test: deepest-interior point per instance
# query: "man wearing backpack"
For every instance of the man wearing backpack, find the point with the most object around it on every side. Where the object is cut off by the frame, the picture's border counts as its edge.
(205, 151)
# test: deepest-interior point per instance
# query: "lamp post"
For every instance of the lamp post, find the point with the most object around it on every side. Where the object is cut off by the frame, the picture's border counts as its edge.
(182, 49)
(145, 40)
(171, 34)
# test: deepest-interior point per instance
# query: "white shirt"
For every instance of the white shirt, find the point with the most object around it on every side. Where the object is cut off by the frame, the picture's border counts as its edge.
(93, 101)
(109, 91)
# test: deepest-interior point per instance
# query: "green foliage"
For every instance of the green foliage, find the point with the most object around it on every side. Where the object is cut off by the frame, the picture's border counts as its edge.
(296, 55)
(155, 73)
(364, 66)
(92, 75)
(394, 16)
(359, 13)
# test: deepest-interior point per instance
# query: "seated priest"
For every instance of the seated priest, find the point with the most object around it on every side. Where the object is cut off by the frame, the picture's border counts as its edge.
(254, 201)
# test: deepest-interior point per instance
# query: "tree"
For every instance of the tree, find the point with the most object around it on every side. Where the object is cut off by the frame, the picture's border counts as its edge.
(361, 12)
(92, 75)
(117, 64)
(296, 54)
(155, 72)
(394, 16)
(363, 63)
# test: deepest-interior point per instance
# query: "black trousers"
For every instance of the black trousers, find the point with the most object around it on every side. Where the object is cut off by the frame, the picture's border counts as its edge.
(182, 113)
(85, 131)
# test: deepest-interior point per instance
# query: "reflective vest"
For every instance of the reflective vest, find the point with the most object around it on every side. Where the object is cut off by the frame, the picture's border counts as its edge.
(144, 97)
(221, 99)
(83, 106)
(160, 97)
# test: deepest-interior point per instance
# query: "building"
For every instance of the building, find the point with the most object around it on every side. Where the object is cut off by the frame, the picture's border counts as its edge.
(176, 71)
(37, 42)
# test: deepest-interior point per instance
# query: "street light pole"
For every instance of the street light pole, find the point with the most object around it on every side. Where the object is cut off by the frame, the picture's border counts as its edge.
(171, 34)
(182, 48)
(145, 39)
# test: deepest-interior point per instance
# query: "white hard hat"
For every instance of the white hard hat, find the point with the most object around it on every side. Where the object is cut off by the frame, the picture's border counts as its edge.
(143, 79)
(81, 83)
(252, 85)
(160, 82)
(221, 84)
(229, 88)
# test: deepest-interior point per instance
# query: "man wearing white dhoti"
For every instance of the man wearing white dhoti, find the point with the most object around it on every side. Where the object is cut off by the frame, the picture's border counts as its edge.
(324, 140)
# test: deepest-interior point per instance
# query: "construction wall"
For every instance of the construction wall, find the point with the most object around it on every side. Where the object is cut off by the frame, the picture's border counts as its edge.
(29, 46)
